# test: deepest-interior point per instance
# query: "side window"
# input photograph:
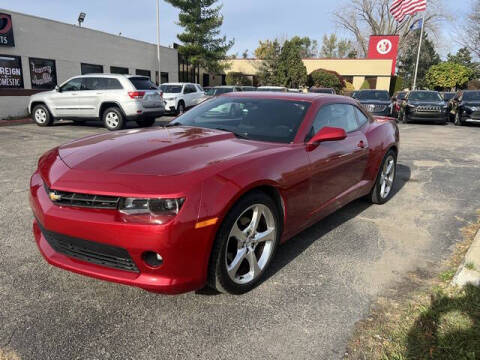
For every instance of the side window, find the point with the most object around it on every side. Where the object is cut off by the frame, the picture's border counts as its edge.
(191, 89)
(361, 117)
(199, 88)
(186, 90)
(94, 83)
(112, 84)
(72, 85)
(335, 115)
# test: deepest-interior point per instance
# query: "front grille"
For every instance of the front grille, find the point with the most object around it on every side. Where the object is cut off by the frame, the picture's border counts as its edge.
(82, 200)
(90, 251)
(375, 108)
(428, 108)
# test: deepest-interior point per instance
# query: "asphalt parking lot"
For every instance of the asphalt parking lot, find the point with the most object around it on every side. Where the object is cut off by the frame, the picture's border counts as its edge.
(321, 282)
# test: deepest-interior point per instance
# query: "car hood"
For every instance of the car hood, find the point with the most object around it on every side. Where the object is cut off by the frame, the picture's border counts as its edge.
(171, 94)
(471, 103)
(375, 102)
(160, 152)
(427, 103)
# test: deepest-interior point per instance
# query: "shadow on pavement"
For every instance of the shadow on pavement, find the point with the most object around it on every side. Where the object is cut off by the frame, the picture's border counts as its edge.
(448, 329)
(290, 250)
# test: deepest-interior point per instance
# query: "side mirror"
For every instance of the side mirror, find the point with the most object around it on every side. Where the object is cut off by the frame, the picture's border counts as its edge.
(326, 134)
(57, 88)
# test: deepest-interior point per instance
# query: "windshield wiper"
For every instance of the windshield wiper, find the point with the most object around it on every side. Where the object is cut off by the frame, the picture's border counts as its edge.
(238, 135)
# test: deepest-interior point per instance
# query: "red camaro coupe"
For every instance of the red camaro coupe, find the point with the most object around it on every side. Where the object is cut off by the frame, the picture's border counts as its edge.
(209, 198)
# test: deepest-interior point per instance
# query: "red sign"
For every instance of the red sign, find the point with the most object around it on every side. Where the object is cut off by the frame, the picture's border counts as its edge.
(384, 47)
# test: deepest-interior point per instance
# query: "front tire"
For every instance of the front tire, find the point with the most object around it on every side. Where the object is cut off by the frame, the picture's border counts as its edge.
(146, 122)
(245, 244)
(41, 115)
(382, 190)
(113, 119)
(458, 120)
(180, 108)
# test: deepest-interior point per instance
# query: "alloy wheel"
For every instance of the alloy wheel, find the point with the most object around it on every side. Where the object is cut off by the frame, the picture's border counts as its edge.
(112, 119)
(250, 244)
(387, 176)
(40, 116)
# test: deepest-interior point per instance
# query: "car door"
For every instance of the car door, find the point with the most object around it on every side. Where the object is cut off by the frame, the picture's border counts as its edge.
(336, 166)
(192, 95)
(64, 102)
(88, 98)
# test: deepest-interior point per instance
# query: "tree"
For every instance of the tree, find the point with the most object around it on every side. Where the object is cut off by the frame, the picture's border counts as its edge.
(362, 18)
(237, 78)
(308, 48)
(334, 48)
(470, 33)
(291, 71)
(464, 57)
(266, 49)
(407, 60)
(202, 44)
(269, 52)
(365, 85)
(245, 54)
(447, 75)
(327, 79)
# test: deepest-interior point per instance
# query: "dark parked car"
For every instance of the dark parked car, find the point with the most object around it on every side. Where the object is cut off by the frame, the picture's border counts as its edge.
(219, 90)
(248, 88)
(466, 107)
(397, 100)
(377, 102)
(322, 90)
(423, 105)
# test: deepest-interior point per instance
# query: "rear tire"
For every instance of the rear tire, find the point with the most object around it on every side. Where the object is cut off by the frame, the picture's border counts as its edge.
(241, 254)
(113, 119)
(146, 122)
(382, 190)
(41, 115)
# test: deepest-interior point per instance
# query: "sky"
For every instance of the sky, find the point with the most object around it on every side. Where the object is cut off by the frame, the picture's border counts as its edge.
(246, 21)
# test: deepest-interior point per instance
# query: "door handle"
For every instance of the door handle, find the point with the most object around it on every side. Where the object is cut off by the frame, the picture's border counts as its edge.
(99, 93)
(361, 144)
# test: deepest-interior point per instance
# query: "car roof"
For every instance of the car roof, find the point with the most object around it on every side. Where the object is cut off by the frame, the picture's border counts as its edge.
(370, 90)
(310, 97)
(179, 83)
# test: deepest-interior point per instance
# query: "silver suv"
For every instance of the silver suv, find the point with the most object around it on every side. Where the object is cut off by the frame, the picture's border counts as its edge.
(112, 98)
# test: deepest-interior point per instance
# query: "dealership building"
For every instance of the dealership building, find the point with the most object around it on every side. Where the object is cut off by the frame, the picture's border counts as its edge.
(36, 54)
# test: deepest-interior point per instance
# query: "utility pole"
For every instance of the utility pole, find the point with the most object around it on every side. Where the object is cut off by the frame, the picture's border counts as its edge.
(418, 54)
(158, 43)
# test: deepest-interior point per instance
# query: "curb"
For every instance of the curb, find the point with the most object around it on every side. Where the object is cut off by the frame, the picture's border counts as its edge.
(466, 276)
(16, 122)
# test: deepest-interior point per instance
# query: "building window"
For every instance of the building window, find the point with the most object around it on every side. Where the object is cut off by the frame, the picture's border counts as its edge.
(11, 75)
(118, 70)
(164, 78)
(91, 69)
(43, 73)
(143, 72)
(372, 81)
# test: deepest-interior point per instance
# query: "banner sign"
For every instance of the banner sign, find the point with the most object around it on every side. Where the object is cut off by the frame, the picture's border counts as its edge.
(6, 30)
(384, 47)
(43, 73)
(11, 72)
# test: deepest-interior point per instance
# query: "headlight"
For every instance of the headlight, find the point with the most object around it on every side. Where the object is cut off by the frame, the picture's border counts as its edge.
(411, 106)
(149, 211)
(169, 98)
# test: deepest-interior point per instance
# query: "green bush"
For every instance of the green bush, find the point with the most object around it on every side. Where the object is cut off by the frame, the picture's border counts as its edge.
(327, 79)
(237, 78)
(365, 85)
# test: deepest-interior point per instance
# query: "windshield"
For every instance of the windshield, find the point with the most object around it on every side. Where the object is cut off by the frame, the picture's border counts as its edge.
(448, 96)
(217, 91)
(322, 91)
(143, 83)
(250, 118)
(372, 95)
(424, 96)
(401, 96)
(171, 89)
(471, 95)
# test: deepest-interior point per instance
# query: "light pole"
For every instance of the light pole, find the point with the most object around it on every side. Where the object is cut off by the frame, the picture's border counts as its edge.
(158, 43)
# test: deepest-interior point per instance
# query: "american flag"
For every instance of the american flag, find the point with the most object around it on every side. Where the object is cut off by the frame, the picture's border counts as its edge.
(401, 8)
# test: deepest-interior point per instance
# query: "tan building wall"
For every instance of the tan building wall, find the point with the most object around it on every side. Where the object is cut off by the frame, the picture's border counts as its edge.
(358, 69)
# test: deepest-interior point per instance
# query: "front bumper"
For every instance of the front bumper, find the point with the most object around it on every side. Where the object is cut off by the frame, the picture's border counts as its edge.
(427, 116)
(170, 106)
(185, 250)
(134, 110)
(471, 117)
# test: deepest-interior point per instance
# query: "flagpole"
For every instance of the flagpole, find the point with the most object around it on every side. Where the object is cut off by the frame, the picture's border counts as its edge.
(158, 43)
(418, 54)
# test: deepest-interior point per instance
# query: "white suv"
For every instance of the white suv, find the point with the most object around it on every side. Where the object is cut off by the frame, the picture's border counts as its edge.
(180, 96)
(112, 98)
